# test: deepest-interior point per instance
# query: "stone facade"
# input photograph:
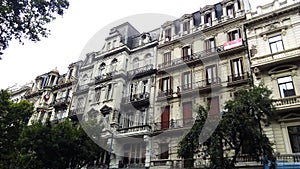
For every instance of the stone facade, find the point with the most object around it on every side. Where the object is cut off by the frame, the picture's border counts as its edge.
(273, 33)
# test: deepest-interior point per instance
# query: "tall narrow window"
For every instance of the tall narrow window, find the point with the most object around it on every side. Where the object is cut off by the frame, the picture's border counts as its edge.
(145, 87)
(186, 26)
(167, 58)
(135, 63)
(177, 26)
(102, 70)
(219, 11)
(109, 93)
(97, 94)
(237, 69)
(165, 117)
(186, 52)
(197, 18)
(234, 35)
(168, 34)
(108, 46)
(210, 45)
(114, 65)
(286, 87)
(211, 74)
(187, 114)
(165, 86)
(164, 151)
(186, 81)
(294, 134)
(230, 11)
(214, 105)
(276, 44)
(208, 19)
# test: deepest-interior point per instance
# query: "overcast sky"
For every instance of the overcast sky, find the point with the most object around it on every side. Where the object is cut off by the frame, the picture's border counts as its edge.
(70, 34)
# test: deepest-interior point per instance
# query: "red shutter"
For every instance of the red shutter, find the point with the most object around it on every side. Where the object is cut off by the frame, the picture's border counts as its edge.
(165, 116)
(187, 114)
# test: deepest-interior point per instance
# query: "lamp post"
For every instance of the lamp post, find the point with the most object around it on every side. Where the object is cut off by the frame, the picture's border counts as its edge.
(110, 148)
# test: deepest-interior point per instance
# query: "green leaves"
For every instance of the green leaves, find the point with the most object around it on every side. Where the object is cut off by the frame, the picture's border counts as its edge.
(240, 126)
(27, 19)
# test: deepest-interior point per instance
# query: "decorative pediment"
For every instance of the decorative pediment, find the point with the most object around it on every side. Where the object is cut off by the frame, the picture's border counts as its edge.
(168, 23)
(105, 110)
(185, 16)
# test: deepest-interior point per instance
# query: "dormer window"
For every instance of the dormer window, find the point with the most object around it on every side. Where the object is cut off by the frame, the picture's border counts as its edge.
(168, 34)
(230, 11)
(208, 19)
(108, 46)
(114, 44)
(186, 27)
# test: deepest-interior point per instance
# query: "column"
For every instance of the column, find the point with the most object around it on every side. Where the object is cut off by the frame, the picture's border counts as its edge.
(202, 20)
(213, 16)
(225, 17)
(148, 150)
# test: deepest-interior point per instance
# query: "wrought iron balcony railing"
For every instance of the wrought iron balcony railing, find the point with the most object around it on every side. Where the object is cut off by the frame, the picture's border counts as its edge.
(207, 83)
(104, 77)
(173, 124)
(140, 70)
(136, 97)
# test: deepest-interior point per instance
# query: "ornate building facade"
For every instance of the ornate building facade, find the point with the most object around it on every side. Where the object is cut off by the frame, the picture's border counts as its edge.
(273, 33)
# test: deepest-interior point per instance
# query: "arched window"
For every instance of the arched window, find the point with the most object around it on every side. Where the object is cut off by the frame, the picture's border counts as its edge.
(148, 59)
(135, 63)
(113, 66)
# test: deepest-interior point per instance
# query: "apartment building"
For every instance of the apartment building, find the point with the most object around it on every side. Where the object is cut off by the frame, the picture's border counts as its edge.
(51, 95)
(202, 59)
(116, 86)
(273, 33)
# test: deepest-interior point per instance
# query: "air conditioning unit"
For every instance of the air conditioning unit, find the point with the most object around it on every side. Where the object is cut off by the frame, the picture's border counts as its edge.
(220, 49)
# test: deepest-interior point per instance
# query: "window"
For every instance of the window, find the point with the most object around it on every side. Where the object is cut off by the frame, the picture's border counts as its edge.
(294, 134)
(102, 70)
(186, 52)
(213, 104)
(135, 63)
(164, 151)
(276, 44)
(165, 85)
(208, 19)
(145, 87)
(148, 59)
(197, 18)
(167, 58)
(70, 73)
(133, 90)
(211, 74)
(134, 154)
(114, 65)
(234, 35)
(210, 45)
(97, 94)
(219, 11)
(168, 34)
(165, 117)
(186, 26)
(237, 69)
(286, 87)
(109, 93)
(230, 11)
(187, 114)
(177, 26)
(114, 44)
(186, 80)
(108, 46)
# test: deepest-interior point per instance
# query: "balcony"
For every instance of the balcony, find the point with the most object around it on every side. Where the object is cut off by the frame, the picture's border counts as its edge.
(137, 100)
(291, 102)
(173, 124)
(140, 72)
(196, 58)
(286, 55)
(167, 94)
(200, 86)
(104, 78)
(82, 89)
(132, 129)
(238, 79)
(76, 114)
(62, 102)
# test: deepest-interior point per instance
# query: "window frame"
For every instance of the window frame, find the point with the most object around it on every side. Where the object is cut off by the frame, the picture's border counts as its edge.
(276, 42)
(284, 83)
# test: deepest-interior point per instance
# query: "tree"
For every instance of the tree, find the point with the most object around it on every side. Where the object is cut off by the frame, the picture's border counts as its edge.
(13, 118)
(26, 19)
(62, 145)
(240, 125)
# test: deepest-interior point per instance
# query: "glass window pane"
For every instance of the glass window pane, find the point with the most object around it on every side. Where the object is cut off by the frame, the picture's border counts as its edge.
(284, 79)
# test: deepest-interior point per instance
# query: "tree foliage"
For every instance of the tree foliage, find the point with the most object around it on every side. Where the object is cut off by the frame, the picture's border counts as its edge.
(26, 19)
(13, 118)
(60, 145)
(240, 125)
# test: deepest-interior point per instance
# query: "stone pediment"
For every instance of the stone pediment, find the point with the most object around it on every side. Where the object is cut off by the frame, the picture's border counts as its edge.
(167, 23)
(185, 16)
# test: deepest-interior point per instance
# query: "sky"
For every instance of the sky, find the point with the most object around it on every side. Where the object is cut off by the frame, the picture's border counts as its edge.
(71, 33)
